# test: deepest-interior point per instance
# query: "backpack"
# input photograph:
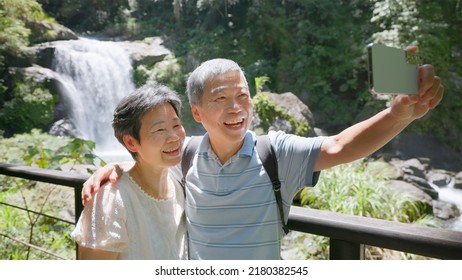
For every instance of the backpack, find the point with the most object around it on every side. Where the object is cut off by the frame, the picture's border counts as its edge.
(267, 155)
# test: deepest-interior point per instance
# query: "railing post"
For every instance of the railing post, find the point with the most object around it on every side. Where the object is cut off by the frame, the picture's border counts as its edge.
(78, 210)
(78, 202)
(345, 250)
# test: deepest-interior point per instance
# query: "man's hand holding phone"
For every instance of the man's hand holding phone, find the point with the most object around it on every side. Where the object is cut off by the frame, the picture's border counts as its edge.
(398, 72)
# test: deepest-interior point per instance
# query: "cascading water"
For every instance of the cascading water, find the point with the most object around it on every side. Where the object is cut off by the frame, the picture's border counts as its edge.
(450, 194)
(95, 76)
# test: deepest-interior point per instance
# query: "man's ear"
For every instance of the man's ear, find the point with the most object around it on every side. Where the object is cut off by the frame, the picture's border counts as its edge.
(196, 113)
(130, 143)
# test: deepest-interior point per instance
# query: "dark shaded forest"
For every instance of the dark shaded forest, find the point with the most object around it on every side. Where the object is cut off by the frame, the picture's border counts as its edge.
(315, 49)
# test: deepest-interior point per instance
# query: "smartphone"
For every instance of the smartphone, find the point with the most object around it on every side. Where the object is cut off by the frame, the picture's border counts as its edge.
(392, 70)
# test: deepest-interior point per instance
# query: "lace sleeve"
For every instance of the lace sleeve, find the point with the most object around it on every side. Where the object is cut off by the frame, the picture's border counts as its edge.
(102, 224)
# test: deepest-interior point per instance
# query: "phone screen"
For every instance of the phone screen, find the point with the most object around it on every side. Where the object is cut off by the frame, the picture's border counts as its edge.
(392, 70)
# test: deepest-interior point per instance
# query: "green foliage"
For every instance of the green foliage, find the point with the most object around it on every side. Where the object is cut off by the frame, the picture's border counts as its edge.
(27, 10)
(13, 38)
(440, 47)
(13, 149)
(260, 83)
(306, 246)
(268, 111)
(299, 45)
(325, 58)
(358, 188)
(20, 22)
(316, 49)
(87, 15)
(167, 72)
(44, 151)
(13, 34)
(430, 25)
(30, 106)
(49, 234)
(313, 48)
(25, 19)
(24, 104)
(77, 151)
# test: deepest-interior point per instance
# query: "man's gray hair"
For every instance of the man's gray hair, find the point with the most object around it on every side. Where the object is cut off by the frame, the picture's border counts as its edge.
(207, 70)
(132, 108)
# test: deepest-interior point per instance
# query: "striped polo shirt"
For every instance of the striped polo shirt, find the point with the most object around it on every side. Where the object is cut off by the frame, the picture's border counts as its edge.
(231, 209)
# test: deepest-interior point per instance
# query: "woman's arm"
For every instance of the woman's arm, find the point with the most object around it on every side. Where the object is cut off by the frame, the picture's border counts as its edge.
(86, 253)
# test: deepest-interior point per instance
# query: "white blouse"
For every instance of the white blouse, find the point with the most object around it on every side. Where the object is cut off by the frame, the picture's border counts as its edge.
(123, 218)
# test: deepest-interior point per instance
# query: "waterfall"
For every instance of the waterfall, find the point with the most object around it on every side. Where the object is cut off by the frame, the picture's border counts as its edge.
(95, 76)
(449, 193)
(453, 195)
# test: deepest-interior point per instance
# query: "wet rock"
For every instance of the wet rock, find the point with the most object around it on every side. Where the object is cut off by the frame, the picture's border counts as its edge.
(458, 181)
(440, 178)
(146, 52)
(415, 193)
(445, 210)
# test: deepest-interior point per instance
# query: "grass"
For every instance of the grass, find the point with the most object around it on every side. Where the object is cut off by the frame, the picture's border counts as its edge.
(19, 227)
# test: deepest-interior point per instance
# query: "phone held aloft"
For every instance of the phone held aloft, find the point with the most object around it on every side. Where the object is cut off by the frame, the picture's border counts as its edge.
(392, 70)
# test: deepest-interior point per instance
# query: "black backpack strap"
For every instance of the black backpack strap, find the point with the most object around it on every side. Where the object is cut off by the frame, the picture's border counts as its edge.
(188, 155)
(186, 161)
(268, 157)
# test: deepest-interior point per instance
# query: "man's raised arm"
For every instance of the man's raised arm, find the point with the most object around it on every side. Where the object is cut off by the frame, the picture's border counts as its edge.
(366, 137)
(111, 172)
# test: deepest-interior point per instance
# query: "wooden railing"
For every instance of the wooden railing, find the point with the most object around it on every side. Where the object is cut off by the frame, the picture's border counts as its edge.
(73, 180)
(347, 233)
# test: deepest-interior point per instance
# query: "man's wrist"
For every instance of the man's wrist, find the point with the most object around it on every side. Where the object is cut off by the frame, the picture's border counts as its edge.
(398, 119)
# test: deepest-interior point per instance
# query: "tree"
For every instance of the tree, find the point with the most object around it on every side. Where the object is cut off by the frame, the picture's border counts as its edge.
(87, 15)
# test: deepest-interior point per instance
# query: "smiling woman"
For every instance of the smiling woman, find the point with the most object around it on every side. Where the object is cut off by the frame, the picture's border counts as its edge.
(142, 215)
